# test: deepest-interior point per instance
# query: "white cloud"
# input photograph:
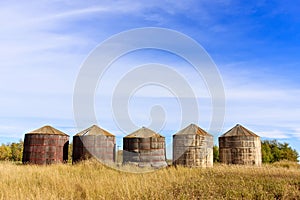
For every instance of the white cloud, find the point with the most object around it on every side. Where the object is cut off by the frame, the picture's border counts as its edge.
(296, 132)
(274, 134)
(264, 94)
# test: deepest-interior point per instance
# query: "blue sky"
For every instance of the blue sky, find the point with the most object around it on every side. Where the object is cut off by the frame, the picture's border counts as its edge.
(254, 44)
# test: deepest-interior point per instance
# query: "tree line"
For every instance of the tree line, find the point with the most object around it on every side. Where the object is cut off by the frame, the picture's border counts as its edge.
(11, 151)
(272, 151)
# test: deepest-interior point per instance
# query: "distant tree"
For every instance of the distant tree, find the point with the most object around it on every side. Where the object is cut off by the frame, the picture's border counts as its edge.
(12, 152)
(16, 151)
(5, 152)
(288, 153)
(266, 151)
(216, 154)
(273, 151)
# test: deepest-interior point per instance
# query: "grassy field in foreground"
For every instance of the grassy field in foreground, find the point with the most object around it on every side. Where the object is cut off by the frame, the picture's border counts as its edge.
(91, 180)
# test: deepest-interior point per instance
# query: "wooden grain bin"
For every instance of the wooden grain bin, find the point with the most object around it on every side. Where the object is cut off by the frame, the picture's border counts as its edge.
(94, 142)
(240, 146)
(45, 145)
(193, 147)
(144, 147)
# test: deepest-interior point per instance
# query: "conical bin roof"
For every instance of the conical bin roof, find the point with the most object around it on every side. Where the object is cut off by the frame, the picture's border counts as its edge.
(143, 133)
(193, 129)
(47, 130)
(94, 130)
(239, 130)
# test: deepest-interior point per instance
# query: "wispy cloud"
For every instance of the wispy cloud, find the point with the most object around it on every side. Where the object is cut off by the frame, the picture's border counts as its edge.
(275, 134)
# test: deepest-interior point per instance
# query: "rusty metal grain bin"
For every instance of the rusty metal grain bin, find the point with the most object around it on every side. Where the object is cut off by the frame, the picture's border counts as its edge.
(45, 145)
(240, 146)
(144, 147)
(94, 142)
(193, 147)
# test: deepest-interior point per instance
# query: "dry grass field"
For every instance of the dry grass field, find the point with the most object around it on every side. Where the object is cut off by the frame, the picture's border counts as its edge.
(91, 180)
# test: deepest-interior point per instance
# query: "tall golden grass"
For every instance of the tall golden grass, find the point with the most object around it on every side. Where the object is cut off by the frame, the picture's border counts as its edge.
(91, 180)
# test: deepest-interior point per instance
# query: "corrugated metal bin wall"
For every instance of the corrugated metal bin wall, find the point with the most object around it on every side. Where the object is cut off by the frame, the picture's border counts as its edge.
(193, 150)
(45, 149)
(99, 146)
(145, 151)
(244, 150)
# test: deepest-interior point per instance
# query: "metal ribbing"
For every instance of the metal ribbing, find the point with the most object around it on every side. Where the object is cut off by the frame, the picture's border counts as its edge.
(100, 147)
(244, 150)
(193, 150)
(45, 149)
(145, 151)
